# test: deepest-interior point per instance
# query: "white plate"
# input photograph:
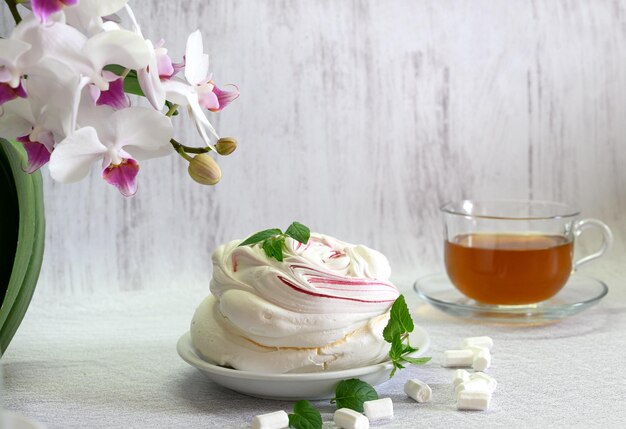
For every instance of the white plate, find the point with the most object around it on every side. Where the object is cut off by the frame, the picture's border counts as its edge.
(317, 385)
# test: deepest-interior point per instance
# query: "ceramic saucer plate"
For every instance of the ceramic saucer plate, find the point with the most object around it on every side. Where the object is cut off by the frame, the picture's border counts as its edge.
(579, 293)
(318, 385)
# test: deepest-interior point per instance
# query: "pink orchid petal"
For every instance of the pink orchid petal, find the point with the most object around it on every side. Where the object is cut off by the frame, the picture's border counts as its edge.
(164, 66)
(7, 93)
(44, 8)
(38, 154)
(224, 98)
(164, 63)
(209, 101)
(123, 176)
(114, 96)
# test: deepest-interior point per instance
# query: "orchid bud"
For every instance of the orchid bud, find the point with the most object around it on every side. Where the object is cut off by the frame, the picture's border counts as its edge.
(204, 170)
(226, 145)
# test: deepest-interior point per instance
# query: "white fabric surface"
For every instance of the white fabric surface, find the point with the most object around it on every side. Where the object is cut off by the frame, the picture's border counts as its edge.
(111, 362)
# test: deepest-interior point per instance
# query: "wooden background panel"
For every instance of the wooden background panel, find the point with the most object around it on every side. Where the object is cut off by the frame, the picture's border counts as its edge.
(360, 118)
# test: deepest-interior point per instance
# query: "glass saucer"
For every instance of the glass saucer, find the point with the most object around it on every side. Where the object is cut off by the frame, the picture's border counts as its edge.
(579, 293)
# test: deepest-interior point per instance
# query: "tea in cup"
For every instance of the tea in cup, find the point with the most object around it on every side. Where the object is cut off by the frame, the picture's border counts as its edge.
(513, 252)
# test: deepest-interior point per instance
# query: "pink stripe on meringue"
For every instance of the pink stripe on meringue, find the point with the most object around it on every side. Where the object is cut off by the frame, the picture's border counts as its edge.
(331, 278)
(347, 282)
(319, 295)
(352, 290)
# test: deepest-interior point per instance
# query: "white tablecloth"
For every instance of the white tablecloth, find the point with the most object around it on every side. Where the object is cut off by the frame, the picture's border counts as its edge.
(111, 362)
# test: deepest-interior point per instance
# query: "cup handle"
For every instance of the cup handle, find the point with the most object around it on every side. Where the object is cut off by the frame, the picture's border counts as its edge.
(607, 239)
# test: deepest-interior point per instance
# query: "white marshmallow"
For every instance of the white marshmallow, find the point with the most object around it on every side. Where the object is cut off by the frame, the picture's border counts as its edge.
(473, 400)
(482, 360)
(491, 382)
(460, 376)
(276, 420)
(418, 390)
(476, 349)
(455, 358)
(486, 342)
(476, 385)
(350, 419)
(378, 409)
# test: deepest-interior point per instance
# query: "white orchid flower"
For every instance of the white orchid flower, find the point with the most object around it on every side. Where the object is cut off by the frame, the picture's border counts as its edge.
(53, 39)
(88, 15)
(198, 90)
(24, 123)
(46, 116)
(62, 101)
(159, 68)
(120, 47)
(117, 138)
(197, 74)
(85, 56)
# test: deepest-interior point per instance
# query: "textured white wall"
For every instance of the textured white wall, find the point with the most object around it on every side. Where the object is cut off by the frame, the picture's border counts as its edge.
(359, 118)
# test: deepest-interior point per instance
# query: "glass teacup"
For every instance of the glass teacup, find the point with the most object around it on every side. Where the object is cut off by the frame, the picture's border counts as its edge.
(514, 252)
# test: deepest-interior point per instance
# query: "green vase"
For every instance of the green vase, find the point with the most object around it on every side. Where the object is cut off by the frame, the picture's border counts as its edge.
(22, 234)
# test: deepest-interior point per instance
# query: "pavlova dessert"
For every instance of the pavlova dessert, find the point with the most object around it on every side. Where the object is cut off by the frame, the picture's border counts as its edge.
(295, 302)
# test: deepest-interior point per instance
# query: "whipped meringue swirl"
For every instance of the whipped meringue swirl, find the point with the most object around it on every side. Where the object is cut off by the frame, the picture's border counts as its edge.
(323, 307)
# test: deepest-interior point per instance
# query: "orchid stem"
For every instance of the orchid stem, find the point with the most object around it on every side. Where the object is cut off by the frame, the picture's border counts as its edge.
(182, 153)
(182, 149)
(13, 8)
(172, 110)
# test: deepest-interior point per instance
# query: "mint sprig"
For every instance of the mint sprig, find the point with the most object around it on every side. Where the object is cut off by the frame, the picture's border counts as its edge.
(260, 236)
(305, 416)
(273, 247)
(353, 393)
(397, 332)
(273, 240)
(299, 232)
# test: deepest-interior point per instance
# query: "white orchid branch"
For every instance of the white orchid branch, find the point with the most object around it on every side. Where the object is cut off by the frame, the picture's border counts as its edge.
(65, 75)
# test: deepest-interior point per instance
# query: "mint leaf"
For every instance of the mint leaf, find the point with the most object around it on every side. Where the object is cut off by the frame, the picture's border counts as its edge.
(391, 331)
(396, 332)
(299, 232)
(397, 349)
(273, 247)
(400, 321)
(416, 361)
(260, 236)
(305, 416)
(400, 313)
(352, 393)
(273, 240)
